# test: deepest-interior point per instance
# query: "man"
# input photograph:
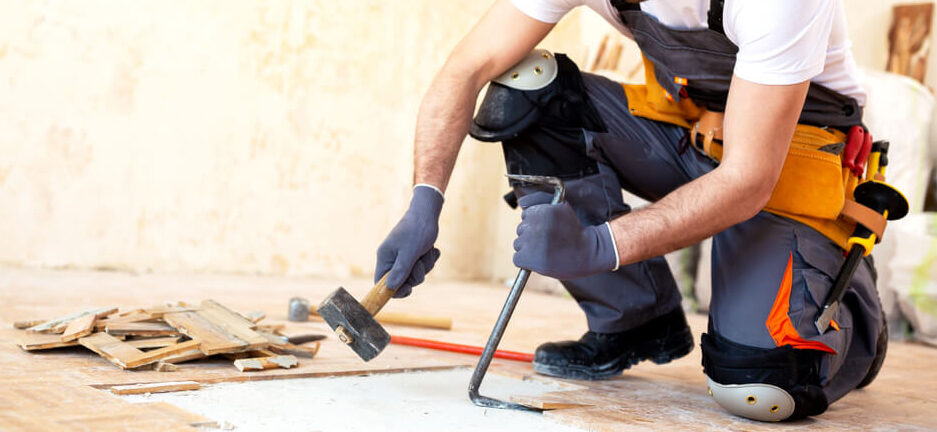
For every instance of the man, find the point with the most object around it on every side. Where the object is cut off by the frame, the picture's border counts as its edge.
(737, 135)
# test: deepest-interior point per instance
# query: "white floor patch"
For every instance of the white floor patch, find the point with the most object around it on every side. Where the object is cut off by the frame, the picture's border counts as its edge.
(419, 401)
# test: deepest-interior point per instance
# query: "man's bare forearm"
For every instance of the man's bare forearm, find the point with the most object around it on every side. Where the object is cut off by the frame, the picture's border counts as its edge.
(446, 111)
(691, 213)
(442, 124)
(759, 125)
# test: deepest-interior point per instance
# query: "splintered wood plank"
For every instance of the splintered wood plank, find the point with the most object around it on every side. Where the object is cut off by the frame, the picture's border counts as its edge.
(157, 342)
(162, 353)
(184, 357)
(271, 328)
(141, 329)
(220, 329)
(42, 341)
(155, 387)
(217, 312)
(158, 311)
(307, 350)
(23, 325)
(112, 349)
(544, 404)
(255, 316)
(135, 317)
(60, 322)
(79, 328)
(214, 340)
(162, 366)
(128, 357)
(262, 363)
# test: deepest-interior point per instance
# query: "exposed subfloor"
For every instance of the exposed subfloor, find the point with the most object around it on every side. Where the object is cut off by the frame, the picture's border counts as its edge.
(63, 390)
(411, 401)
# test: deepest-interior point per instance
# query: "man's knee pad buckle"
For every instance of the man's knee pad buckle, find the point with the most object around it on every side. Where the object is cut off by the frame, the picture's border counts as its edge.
(763, 384)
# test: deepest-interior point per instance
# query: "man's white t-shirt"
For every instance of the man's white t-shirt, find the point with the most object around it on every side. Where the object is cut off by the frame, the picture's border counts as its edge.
(780, 42)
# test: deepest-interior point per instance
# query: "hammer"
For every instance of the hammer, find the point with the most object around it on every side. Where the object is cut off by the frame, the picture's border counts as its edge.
(354, 322)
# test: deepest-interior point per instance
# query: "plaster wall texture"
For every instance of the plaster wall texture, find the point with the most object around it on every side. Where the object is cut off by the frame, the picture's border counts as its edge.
(236, 136)
(247, 137)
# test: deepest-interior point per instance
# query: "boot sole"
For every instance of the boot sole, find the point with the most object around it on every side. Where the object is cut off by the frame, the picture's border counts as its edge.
(658, 351)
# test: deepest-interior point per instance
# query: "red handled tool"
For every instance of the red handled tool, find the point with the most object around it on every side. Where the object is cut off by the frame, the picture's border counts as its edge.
(464, 349)
(858, 148)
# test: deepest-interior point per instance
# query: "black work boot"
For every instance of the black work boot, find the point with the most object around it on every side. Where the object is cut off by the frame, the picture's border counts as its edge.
(604, 355)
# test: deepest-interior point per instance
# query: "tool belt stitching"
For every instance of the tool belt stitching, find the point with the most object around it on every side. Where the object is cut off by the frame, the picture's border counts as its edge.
(707, 132)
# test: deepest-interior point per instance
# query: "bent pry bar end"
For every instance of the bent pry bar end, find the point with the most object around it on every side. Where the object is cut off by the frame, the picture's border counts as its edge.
(559, 193)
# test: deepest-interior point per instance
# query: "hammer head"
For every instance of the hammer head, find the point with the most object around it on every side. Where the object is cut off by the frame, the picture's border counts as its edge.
(299, 310)
(353, 324)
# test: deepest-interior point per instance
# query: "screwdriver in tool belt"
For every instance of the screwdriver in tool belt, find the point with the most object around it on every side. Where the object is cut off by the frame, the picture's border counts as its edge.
(883, 199)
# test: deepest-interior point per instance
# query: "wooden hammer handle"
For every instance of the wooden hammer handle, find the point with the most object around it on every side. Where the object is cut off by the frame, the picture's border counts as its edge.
(377, 297)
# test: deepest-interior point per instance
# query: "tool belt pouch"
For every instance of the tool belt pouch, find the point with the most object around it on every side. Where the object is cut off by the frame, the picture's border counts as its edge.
(813, 187)
(811, 181)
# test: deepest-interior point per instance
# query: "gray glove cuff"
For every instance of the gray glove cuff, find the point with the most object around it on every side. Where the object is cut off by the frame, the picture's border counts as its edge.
(611, 237)
(606, 250)
(426, 200)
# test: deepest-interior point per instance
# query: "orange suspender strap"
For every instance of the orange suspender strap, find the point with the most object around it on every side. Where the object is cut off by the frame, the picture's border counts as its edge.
(779, 324)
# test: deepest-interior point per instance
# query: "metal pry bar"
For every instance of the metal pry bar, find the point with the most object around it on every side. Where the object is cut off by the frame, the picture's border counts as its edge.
(559, 194)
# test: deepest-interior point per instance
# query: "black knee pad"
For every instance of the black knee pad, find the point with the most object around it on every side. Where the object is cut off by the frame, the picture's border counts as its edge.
(541, 128)
(763, 384)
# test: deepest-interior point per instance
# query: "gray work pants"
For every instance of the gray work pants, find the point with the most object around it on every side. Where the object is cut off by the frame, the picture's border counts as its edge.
(749, 260)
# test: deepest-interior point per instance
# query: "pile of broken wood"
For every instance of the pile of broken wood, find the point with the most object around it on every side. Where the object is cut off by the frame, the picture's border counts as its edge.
(162, 336)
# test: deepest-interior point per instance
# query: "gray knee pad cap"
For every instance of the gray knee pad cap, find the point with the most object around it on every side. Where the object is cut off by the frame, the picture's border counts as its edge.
(763, 402)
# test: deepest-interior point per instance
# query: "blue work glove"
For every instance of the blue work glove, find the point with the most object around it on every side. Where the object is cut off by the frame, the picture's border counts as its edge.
(552, 242)
(407, 254)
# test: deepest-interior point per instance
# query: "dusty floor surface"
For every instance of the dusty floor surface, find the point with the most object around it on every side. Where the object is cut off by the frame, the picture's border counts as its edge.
(416, 401)
(65, 390)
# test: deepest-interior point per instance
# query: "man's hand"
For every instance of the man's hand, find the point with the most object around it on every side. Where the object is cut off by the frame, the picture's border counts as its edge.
(407, 254)
(552, 242)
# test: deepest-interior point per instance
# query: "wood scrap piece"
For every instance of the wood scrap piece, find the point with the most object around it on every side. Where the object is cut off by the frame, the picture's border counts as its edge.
(255, 316)
(546, 402)
(272, 338)
(132, 318)
(155, 342)
(184, 357)
(276, 329)
(220, 329)
(62, 321)
(141, 329)
(130, 312)
(262, 363)
(155, 387)
(307, 350)
(112, 349)
(79, 328)
(158, 311)
(162, 353)
(125, 355)
(218, 312)
(22, 325)
(162, 366)
(214, 340)
(42, 341)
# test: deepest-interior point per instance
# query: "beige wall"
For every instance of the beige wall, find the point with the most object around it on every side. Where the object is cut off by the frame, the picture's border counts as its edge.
(242, 136)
